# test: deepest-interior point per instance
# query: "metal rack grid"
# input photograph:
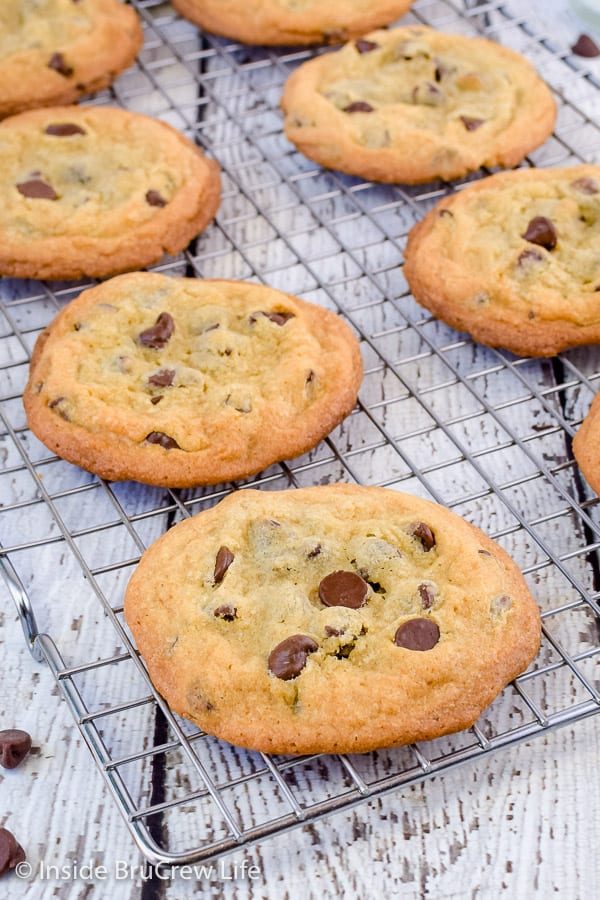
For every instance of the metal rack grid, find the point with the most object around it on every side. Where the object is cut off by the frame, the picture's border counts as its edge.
(483, 432)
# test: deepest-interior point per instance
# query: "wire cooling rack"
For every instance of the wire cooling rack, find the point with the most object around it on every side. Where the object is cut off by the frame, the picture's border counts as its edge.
(483, 432)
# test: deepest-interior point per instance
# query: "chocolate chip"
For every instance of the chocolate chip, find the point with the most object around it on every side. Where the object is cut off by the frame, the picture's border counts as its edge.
(445, 212)
(55, 405)
(226, 611)
(500, 604)
(163, 440)
(314, 552)
(423, 533)
(358, 106)
(330, 631)
(155, 400)
(586, 185)
(153, 198)
(344, 589)
(364, 46)
(11, 852)
(484, 552)
(529, 256)
(37, 189)
(58, 63)
(470, 123)
(162, 378)
(312, 376)
(335, 36)
(417, 634)
(224, 559)
(541, 231)
(288, 658)
(585, 46)
(158, 335)
(65, 130)
(427, 595)
(14, 747)
(279, 318)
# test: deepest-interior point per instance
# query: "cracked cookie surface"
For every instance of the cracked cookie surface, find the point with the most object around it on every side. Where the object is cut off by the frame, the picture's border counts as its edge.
(514, 259)
(586, 443)
(96, 191)
(330, 619)
(291, 21)
(413, 104)
(181, 382)
(54, 51)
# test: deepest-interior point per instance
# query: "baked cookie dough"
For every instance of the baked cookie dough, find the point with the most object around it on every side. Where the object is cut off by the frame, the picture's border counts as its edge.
(291, 21)
(181, 382)
(514, 259)
(330, 619)
(586, 445)
(90, 190)
(53, 52)
(413, 104)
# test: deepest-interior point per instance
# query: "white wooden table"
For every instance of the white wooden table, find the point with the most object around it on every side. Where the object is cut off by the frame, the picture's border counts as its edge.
(521, 822)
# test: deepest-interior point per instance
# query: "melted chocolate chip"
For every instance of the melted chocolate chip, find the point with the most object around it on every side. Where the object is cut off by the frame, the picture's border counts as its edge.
(11, 852)
(222, 562)
(288, 658)
(153, 198)
(37, 189)
(417, 634)
(65, 130)
(427, 595)
(163, 440)
(279, 318)
(541, 231)
(162, 378)
(14, 747)
(58, 63)
(364, 46)
(359, 106)
(586, 185)
(585, 46)
(226, 611)
(423, 533)
(330, 631)
(470, 123)
(344, 589)
(159, 334)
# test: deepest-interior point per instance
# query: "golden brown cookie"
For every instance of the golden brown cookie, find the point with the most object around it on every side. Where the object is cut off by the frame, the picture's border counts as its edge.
(291, 21)
(54, 51)
(514, 259)
(330, 619)
(413, 104)
(180, 382)
(96, 191)
(586, 445)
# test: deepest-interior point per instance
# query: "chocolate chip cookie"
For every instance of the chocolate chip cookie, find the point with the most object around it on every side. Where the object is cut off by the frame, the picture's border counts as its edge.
(291, 21)
(330, 619)
(514, 259)
(54, 51)
(586, 444)
(96, 191)
(413, 104)
(180, 382)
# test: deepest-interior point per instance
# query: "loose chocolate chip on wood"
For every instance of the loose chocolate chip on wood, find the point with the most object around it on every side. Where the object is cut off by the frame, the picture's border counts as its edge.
(158, 334)
(58, 63)
(222, 562)
(359, 106)
(14, 747)
(11, 852)
(226, 611)
(541, 231)
(344, 589)
(585, 46)
(64, 130)
(153, 198)
(162, 378)
(470, 123)
(288, 658)
(364, 46)
(37, 190)
(423, 533)
(163, 440)
(417, 634)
